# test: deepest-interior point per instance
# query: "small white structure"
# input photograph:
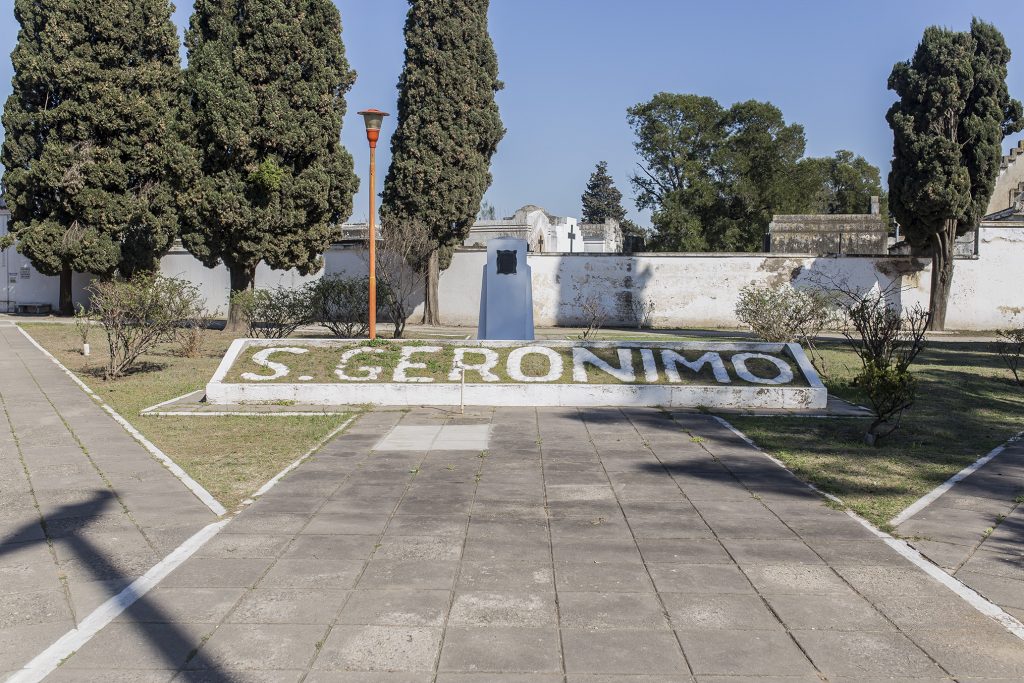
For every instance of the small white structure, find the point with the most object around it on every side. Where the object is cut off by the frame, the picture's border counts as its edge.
(506, 296)
(549, 234)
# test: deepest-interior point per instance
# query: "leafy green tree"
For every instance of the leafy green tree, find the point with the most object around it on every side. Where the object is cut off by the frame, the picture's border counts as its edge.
(267, 84)
(713, 177)
(93, 151)
(848, 184)
(448, 129)
(953, 111)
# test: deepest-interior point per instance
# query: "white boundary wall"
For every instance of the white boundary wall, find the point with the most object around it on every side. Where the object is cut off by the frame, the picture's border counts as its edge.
(688, 290)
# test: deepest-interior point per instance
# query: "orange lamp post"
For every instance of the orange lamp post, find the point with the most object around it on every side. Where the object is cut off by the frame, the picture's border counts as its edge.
(373, 118)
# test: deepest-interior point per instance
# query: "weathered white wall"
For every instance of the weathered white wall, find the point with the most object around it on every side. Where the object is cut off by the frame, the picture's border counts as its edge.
(700, 290)
(689, 290)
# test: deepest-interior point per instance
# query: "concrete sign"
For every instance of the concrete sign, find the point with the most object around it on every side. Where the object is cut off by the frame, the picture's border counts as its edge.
(501, 373)
(506, 296)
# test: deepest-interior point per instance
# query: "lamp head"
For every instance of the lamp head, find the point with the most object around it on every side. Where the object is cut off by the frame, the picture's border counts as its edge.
(373, 119)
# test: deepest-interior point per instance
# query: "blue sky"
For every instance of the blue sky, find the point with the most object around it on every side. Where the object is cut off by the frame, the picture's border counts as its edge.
(572, 67)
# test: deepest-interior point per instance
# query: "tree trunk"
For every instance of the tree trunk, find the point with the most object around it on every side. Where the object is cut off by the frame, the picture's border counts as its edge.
(66, 305)
(431, 310)
(243, 279)
(942, 275)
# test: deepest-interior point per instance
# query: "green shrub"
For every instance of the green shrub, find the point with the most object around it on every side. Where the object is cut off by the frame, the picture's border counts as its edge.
(342, 305)
(887, 341)
(138, 313)
(1011, 350)
(275, 313)
(783, 314)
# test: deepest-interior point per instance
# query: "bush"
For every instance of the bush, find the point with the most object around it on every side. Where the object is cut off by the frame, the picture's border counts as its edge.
(275, 313)
(1011, 350)
(887, 341)
(342, 305)
(786, 315)
(191, 332)
(139, 313)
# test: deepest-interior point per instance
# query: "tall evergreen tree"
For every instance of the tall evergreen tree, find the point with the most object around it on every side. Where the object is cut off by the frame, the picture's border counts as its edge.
(92, 150)
(954, 110)
(448, 128)
(267, 84)
(602, 200)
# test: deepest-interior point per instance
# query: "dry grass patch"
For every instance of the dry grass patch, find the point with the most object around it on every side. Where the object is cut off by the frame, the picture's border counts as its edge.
(230, 456)
(966, 406)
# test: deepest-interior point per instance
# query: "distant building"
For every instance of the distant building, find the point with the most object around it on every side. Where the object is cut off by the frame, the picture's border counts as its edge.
(543, 232)
(1010, 181)
(821, 234)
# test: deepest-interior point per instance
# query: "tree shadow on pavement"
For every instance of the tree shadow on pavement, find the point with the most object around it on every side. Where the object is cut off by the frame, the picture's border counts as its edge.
(177, 647)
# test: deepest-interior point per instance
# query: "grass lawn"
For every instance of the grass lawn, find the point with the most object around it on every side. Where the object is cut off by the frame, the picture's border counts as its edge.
(966, 406)
(230, 456)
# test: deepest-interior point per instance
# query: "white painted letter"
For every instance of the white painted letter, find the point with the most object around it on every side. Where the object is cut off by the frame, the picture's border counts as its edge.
(673, 360)
(623, 373)
(405, 364)
(650, 367)
(484, 368)
(280, 369)
(514, 365)
(369, 373)
(739, 362)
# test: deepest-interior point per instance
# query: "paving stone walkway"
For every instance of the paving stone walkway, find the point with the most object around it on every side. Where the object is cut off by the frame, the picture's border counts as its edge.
(975, 530)
(84, 509)
(582, 546)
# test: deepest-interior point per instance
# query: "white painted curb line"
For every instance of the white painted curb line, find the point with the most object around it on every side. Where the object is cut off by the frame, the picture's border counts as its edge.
(190, 483)
(969, 595)
(929, 498)
(168, 401)
(280, 475)
(50, 658)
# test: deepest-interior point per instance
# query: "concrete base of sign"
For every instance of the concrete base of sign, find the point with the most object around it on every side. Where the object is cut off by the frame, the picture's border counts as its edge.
(789, 397)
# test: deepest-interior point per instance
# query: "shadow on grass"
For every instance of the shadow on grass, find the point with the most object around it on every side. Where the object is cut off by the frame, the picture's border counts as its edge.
(141, 368)
(170, 640)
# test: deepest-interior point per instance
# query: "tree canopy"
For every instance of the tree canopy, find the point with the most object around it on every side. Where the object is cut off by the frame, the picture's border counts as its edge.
(267, 84)
(448, 127)
(953, 111)
(713, 177)
(93, 151)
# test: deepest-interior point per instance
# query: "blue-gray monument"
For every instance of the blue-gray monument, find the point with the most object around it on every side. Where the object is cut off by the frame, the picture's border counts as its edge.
(506, 299)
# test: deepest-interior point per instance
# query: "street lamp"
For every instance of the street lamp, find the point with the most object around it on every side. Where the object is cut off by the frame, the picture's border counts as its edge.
(373, 118)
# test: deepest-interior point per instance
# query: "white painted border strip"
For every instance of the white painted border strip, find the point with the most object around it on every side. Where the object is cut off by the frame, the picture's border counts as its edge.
(153, 411)
(972, 597)
(968, 594)
(280, 475)
(190, 483)
(49, 659)
(181, 413)
(930, 497)
(169, 401)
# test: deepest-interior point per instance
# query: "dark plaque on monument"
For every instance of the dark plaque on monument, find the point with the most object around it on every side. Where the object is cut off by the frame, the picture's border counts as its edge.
(506, 262)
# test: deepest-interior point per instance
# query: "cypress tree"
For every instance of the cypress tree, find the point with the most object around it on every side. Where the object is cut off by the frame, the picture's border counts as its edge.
(93, 151)
(267, 82)
(948, 124)
(602, 200)
(448, 128)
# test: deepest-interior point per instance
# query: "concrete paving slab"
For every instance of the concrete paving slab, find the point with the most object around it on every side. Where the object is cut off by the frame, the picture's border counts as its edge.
(487, 570)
